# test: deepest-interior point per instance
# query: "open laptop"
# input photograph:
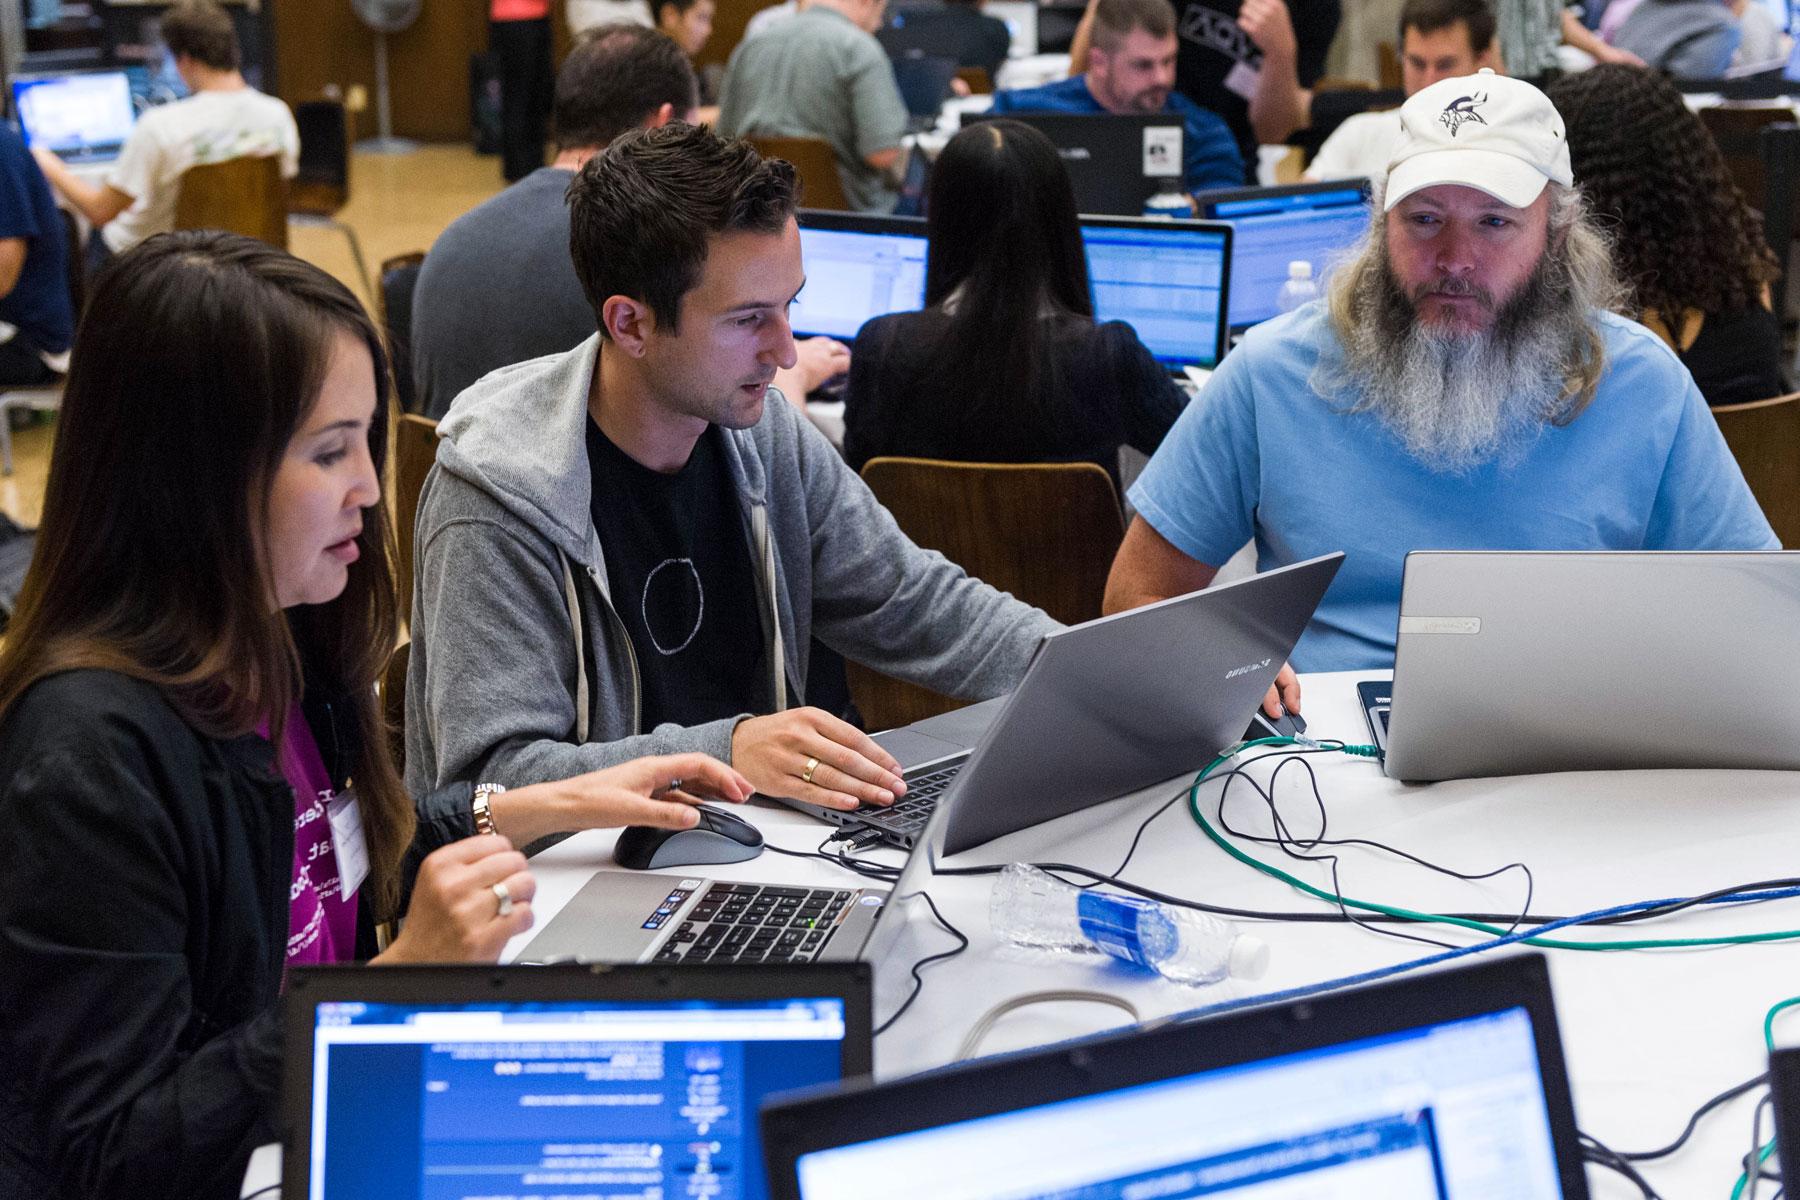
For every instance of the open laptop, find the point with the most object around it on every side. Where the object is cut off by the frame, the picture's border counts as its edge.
(1446, 1086)
(1116, 161)
(517, 1081)
(857, 268)
(1784, 1085)
(80, 116)
(1169, 280)
(1519, 663)
(1274, 226)
(1106, 707)
(1021, 17)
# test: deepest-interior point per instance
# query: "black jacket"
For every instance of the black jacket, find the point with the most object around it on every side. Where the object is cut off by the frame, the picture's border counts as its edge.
(144, 875)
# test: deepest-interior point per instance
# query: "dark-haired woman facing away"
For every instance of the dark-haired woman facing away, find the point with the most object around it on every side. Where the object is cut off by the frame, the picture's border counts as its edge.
(1683, 237)
(1005, 364)
(185, 695)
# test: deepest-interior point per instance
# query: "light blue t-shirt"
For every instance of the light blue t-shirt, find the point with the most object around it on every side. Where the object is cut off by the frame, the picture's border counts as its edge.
(1261, 454)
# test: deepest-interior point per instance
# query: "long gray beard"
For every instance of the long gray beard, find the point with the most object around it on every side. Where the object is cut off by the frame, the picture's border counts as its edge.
(1458, 401)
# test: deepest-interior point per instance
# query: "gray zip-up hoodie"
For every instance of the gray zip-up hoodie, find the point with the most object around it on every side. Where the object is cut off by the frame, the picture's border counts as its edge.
(505, 687)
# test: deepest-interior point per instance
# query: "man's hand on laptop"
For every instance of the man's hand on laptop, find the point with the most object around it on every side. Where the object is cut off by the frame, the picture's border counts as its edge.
(808, 754)
(1284, 693)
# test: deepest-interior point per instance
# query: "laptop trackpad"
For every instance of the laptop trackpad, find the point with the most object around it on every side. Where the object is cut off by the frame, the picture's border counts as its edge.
(913, 749)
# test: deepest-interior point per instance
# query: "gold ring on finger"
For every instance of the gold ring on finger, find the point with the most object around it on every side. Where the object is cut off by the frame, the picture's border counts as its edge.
(505, 898)
(812, 764)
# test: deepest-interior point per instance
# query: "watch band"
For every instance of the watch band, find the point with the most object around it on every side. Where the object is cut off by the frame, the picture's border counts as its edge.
(484, 819)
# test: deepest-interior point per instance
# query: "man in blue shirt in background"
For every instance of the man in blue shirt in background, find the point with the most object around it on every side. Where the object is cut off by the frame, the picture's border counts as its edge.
(1131, 70)
(1460, 387)
(37, 321)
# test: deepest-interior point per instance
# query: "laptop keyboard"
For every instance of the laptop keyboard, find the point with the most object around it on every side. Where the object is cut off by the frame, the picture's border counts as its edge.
(753, 923)
(905, 818)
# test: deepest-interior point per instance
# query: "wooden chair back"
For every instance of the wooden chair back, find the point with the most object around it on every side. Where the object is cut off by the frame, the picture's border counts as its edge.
(240, 195)
(816, 164)
(1046, 532)
(415, 449)
(1764, 435)
(977, 79)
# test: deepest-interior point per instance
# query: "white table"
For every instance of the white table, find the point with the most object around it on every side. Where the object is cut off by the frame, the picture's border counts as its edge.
(1649, 1035)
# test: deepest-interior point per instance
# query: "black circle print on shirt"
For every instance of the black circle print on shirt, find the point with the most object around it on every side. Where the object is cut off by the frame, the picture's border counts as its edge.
(673, 605)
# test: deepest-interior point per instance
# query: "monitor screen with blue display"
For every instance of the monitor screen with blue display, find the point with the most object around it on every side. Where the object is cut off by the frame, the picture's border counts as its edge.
(652, 1097)
(1272, 227)
(857, 268)
(1166, 279)
(1454, 1110)
(82, 116)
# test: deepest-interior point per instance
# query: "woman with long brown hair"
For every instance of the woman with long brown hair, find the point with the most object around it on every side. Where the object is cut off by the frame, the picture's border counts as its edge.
(186, 695)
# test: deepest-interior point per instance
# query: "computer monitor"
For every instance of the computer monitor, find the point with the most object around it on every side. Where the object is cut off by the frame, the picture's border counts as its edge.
(513, 1081)
(80, 116)
(1168, 280)
(1271, 227)
(857, 268)
(1116, 161)
(1021, 17)
(1447, 1086)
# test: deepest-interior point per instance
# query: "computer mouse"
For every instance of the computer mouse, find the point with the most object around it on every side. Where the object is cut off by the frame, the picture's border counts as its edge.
(720, 837)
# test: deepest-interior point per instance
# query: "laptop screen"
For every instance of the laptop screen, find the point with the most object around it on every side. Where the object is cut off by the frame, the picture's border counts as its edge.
(592, 1097)
(857, 270)
(1276, 226)
(1166, 279)
(1455, 1109)
(82, 117)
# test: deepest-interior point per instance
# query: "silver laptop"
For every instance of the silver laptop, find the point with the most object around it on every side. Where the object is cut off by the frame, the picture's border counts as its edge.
(1518, 663)
(637, 916)
(1105, 708)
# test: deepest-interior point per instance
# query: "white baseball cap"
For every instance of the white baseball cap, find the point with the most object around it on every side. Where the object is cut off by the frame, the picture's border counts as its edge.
(1484, 131)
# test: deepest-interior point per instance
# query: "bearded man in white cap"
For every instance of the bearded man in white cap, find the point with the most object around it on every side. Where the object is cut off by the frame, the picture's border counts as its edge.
(1460, 386)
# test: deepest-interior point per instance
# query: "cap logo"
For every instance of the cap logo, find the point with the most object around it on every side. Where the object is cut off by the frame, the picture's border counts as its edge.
(1461, 111)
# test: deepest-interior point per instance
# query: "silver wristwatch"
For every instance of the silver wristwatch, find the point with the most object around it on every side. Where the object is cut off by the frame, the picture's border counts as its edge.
(484, 819)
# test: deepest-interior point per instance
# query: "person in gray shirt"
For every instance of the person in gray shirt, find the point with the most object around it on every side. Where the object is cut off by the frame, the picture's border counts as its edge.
(634, 544)
(498, 287)
(825, 77)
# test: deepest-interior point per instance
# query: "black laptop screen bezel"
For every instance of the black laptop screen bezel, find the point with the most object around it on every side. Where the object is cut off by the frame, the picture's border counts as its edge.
(424, 986)
(825, 1118)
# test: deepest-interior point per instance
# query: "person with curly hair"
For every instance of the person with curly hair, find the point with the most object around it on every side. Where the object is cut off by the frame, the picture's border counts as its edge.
(1686, 243)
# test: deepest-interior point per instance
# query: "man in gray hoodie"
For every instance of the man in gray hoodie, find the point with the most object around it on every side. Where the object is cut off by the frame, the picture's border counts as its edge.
(628, 548)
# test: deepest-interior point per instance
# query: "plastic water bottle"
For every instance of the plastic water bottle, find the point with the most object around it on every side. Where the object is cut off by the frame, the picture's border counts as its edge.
(1299, 288)
(1031, 908)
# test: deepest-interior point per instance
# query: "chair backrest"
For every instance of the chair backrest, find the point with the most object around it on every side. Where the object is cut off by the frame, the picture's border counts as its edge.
(399, 276)
(1046, 532)
(924, 82)
(1763, 161)
(323, 185)
(977, 80)
(241, 195)
(415, 449)
(1388, 58)
(816, 164)
(1764, 435)
(393, 701)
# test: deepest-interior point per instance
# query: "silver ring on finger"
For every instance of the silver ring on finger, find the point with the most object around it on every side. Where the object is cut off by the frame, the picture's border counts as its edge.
(812, 764)
(505, 907)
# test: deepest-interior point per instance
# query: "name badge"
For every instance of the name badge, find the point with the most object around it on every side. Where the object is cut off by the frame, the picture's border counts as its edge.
(347, 841)
(1241, 81)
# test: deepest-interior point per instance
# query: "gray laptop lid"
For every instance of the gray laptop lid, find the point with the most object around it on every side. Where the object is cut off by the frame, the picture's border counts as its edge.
(1517, 663)
(1114, 705)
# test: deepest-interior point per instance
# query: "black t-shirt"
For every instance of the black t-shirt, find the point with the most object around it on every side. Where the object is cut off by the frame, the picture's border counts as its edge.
(1737, 357)
(1217, 64)
(678, 563)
